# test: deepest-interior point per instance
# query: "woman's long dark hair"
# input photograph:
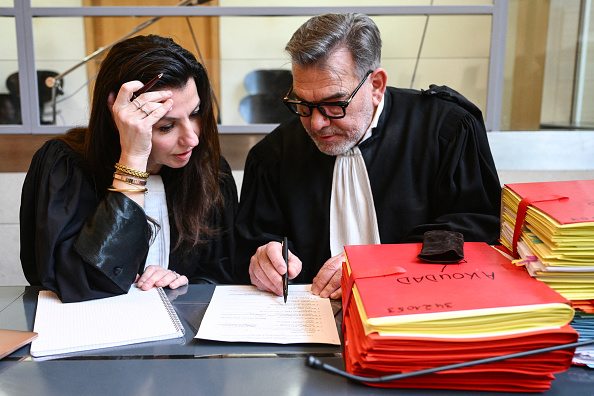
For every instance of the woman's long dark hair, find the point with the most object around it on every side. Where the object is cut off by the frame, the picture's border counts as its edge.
(193, 190)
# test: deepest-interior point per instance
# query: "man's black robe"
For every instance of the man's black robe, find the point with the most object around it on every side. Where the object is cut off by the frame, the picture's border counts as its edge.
(429, 164)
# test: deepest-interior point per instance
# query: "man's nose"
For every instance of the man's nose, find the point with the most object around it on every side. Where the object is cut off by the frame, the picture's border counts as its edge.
(318, 120)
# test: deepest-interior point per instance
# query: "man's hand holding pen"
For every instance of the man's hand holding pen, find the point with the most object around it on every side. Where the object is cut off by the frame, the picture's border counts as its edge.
(268, 266)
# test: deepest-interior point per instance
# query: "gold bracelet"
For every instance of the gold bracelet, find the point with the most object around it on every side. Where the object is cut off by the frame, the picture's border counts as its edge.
(131, 172)
(143, 190)
(130, 180)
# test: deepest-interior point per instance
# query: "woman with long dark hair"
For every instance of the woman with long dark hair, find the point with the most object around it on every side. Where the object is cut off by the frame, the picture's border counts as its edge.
(143, 193)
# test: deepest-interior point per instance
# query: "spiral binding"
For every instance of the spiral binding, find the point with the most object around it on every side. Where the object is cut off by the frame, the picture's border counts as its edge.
(171, 311)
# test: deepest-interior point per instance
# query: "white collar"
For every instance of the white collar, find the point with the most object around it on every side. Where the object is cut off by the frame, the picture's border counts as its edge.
(374, 121)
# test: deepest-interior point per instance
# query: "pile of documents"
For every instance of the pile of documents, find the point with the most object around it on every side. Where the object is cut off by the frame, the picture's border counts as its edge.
(555, 237)
(549, 228)
(403, 315)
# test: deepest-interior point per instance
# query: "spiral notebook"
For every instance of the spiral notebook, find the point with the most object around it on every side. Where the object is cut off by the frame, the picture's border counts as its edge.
(138, 316)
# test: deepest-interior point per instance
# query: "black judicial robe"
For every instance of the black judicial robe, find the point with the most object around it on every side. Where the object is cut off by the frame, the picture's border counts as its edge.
(429, 164)
(82, 245)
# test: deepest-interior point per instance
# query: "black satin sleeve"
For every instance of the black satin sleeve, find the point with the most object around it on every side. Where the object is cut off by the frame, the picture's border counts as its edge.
(72, 242)
(115, 239)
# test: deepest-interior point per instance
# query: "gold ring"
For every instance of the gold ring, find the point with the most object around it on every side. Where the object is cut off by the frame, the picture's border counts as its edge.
(137, 104)
(144, 110)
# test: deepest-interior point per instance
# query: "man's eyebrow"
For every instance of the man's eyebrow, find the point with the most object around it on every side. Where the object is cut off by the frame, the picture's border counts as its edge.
(337, 95)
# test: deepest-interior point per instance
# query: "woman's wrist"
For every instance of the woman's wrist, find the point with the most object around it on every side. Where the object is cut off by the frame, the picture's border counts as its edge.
(125, 170)
(133, 162)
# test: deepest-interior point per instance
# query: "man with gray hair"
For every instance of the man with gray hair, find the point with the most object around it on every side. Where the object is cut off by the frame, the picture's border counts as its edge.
(362, 164)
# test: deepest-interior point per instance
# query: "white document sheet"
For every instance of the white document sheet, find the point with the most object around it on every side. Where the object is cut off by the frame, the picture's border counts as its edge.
(248, 314)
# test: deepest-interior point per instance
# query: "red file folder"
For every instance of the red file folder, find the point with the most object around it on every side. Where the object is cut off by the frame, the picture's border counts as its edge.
(484, 280)
(575, 203)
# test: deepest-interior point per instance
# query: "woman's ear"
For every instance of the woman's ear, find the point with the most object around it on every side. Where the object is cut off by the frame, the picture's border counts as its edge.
(111, 99)
(379, 81)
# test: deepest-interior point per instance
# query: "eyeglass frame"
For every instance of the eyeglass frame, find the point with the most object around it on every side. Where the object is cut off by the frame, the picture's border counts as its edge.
(341, 103)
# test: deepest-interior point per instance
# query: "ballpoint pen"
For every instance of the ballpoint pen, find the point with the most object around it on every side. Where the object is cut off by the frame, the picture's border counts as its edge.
(146, 87)
(285, 246)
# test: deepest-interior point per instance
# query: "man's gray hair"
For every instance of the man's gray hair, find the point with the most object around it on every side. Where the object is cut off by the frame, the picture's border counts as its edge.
(320, 36)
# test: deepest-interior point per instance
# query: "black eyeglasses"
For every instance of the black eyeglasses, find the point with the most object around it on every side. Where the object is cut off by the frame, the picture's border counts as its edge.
(328, 109)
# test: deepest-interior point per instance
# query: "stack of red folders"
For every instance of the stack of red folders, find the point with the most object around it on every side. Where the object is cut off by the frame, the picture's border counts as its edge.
(403, 315)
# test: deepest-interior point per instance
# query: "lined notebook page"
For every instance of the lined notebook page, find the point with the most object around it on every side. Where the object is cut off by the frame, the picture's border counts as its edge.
(137, 316)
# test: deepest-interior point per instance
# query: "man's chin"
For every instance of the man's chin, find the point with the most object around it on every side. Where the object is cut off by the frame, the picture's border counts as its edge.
(333, 147)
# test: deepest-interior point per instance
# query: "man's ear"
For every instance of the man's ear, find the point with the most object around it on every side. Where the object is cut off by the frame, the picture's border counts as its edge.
(379, 81)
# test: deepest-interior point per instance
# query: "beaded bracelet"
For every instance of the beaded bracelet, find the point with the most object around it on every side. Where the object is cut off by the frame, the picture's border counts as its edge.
(130, 180)
(131, 172)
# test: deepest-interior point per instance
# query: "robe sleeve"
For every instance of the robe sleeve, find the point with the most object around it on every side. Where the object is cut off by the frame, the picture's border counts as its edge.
(467, 192)
(72, 242)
